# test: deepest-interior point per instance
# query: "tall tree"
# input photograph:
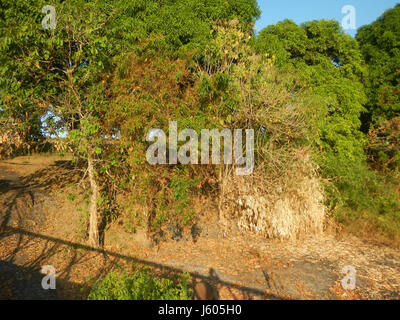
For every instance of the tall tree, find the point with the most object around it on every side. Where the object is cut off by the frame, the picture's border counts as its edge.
(60, 62)
(330, 63)
(60, 56)
(380, 44)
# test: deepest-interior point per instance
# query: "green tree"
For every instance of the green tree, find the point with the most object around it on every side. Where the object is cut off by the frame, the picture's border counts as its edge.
(66, 67)
(61, 68)
(183, 24)
(330, 63)
(380, 44)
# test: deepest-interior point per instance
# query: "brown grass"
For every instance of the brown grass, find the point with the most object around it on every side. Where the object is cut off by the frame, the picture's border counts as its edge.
(287, 207)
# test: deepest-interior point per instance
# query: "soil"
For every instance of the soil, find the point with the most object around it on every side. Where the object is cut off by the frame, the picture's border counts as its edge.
(40, 225)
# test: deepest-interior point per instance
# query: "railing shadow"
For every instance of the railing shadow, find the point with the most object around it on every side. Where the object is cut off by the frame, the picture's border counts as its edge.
(53, 245)
(20, 278)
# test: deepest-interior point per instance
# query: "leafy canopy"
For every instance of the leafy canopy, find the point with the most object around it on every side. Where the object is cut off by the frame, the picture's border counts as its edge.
(380, 44)
(330, 63)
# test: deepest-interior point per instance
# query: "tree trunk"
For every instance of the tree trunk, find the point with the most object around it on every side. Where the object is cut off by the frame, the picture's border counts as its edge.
(94, 239)
(223, 178)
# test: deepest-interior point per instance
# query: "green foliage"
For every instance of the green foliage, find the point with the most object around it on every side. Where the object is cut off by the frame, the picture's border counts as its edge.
(329, 62)
(163, 190)
(183, 23)
(384, 146)
(284, 41)
(380, 44)
(358, 195)
(225, 86)
(69, 68)
(245, 90)
(359, 187)
(38, 66)
(182, 187)
(41, 64)
(142, 285)
(119, 68)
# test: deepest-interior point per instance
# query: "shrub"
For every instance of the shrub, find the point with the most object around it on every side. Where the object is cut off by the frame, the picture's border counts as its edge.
(356, 194)
(13, 140)
(282, 198)
(142, 285)
(384, 146)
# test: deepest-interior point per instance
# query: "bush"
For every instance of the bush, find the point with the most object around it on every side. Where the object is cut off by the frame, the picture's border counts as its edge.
(282, 198)
(359, 195)
(384, 146)
(142, 285)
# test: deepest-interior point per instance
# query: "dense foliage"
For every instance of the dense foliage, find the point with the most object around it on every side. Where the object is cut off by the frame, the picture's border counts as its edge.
(64, 70)
(332, 64)
(142, 285)
(380, 44)
(112, 70)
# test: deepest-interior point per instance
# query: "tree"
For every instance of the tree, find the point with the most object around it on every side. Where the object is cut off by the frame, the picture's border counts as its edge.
(62, 68)
(330, 63)
(380, 45)
(226, 85)
(183, 24)
(66, 67)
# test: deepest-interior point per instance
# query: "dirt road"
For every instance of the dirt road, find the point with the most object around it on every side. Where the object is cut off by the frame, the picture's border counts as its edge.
(38, 227)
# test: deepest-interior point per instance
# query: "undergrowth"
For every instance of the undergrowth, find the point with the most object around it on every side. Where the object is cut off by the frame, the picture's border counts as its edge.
(141, 285)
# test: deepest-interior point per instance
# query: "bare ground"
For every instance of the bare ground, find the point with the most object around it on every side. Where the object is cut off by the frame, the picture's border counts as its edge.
(39, 226)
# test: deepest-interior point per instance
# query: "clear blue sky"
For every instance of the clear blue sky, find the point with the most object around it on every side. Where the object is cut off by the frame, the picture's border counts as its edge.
(300, 11)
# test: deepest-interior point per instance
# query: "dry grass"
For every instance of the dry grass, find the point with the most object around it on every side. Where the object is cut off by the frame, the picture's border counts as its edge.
(10, 142)
(286, 216)
(289, 207)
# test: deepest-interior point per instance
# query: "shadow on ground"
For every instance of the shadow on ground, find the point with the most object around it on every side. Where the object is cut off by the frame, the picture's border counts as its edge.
(24, 281)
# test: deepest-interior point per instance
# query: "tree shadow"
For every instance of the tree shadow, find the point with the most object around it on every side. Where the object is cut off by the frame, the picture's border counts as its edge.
(20, 276)
(68, 289)
(22, 283)
(61, 174)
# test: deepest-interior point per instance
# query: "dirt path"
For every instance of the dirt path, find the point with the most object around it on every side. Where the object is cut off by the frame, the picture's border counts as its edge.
(20, 208)
(308, 269)
(39, 227)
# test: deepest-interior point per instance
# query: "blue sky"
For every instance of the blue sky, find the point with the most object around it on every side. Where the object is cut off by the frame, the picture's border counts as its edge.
(300, 11)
